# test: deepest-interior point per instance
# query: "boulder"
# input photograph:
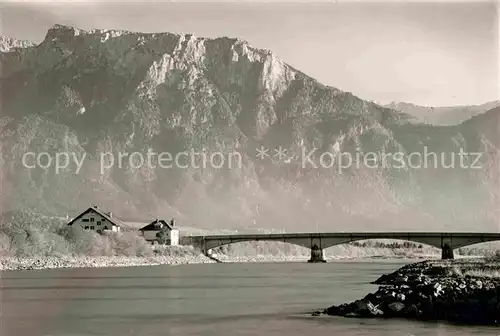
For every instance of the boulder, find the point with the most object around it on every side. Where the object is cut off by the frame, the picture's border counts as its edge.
(411, 311)
(435, 271)
(366, 309)
(395, 309)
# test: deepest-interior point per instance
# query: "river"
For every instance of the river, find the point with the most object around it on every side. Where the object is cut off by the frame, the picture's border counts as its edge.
(267, 299)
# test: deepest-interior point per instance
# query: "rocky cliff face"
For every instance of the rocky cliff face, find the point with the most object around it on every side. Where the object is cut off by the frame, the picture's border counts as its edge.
(96, 94)
(8, 44)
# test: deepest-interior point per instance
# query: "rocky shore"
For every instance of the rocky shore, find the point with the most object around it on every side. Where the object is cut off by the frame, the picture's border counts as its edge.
(460, 291)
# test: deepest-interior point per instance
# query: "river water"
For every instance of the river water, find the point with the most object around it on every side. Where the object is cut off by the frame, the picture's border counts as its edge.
(267, 299)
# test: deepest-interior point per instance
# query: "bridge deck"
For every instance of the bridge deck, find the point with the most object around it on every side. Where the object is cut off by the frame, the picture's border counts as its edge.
(366, 235)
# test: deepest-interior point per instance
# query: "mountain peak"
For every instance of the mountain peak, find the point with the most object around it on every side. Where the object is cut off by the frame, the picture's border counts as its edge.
(59, 30)
(176, 50)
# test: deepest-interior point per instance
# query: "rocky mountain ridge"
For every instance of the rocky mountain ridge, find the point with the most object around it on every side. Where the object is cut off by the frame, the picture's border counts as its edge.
(8, 44)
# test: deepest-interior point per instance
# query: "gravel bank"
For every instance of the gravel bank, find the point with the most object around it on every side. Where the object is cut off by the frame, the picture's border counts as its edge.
(75, 262)
(460, 291)
(15, 263)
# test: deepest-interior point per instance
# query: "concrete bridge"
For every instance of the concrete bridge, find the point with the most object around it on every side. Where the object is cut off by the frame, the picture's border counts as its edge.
(446, 241)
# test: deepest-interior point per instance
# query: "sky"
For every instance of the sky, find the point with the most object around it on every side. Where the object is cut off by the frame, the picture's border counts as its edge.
(426, 53)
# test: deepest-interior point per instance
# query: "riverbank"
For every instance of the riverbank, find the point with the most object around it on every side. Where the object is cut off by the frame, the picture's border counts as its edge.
(34, 263)
(465, 291)
(14, 263)
(180, 255)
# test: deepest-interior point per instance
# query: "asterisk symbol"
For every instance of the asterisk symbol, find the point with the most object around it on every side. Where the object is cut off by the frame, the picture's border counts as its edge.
(280, 152)
(262, 152)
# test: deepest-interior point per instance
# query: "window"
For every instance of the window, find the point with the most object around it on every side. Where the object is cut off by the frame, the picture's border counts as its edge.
(92, 219)
(86, 228)
(98, 222)
(85, 220)
(92, 227)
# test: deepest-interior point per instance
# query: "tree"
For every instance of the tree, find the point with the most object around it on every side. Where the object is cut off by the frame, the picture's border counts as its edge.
(163, 236)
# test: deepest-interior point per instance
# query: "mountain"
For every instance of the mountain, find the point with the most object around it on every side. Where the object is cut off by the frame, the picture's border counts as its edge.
(450, 115)
(95, 95)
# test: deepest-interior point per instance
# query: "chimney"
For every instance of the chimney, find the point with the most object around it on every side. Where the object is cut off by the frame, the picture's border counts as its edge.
(95, 206)
(110, 214)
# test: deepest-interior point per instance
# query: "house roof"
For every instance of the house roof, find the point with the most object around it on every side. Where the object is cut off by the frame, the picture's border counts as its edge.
(157, 225)
(98, 211)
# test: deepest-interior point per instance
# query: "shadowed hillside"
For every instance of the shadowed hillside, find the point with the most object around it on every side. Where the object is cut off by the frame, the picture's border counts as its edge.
(447, 115)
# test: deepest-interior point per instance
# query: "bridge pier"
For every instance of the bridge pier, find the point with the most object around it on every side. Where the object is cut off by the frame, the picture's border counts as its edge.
(447, 252)
(316, 255)
(209, 254)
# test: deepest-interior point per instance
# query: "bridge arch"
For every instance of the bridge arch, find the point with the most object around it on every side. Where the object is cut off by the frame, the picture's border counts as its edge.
(309, 242)
(447, 242)
(288, 247)
(220, 243)
(474, 243)
(329, 242)
(479, 245)
(385, 243)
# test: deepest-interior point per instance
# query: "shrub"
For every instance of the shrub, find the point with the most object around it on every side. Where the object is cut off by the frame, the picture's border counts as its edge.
(24, 234)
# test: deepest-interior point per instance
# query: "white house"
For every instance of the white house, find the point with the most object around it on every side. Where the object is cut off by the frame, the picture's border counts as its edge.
(150, 231)
(97, 220)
